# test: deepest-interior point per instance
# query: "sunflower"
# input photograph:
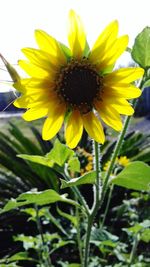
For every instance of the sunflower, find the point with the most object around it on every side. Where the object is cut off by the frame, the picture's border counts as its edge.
(122, 161)
(77, 86)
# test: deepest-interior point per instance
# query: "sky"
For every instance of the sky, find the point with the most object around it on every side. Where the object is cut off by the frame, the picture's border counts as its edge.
(19, 19)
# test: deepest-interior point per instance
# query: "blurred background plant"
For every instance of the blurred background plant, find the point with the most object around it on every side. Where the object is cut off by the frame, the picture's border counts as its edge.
(126, 223)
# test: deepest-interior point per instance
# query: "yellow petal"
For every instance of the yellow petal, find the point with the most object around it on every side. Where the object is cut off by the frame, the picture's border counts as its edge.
(32, 69)
(122, 90)
(123, 107)
(54, 122)
(35, 113)
(76, 35)
(114, 52)
(39, 92)
(74, 129)
(109, 115)
(39, 58)
(124, 75)
(34, 98)
(93, 127)
(31, 100)
(104, 41)
(50, 45)
(36, 83)
(21, 102)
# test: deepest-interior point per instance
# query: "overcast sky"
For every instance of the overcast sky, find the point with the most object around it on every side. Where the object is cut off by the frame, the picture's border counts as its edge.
(19, 19)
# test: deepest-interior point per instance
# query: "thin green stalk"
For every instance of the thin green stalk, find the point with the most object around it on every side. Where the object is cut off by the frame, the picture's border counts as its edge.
(97, 196)
(47, 260)
(87, 242)
(97, 200)
(118, 146)
(107, 206)
(39, 230)
(78, 195)
(114, 156)
(79, 233)
(134, 248)
(97, 169)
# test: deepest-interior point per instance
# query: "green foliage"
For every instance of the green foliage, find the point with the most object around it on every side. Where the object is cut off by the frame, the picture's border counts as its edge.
(74, 164)
(136, 146)
(39, 198)
(87, 178)
(59, 155)
(146, 84)
(66, 264)
(22, 175)
(141, 230)
(140, 52)
(64, 222)
(69, 217)
(135, 175)
(13, 260)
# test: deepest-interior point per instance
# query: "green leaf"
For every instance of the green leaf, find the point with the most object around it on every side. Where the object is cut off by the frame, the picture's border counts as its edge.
(74, 164)
(34, 242)
(37, 159)
(146, 84)
(12, 264)
(88, 178)
(109, 243)
(40, 198)
(140, 52)
(135, 175)
(144, 155)
(138, 227)
(74, 265)
(71, 218)
(60, 153)
(145, 223)
(54, 220)
(145, 236)
(60, 244)
(20, 256)
(102, 235)
(135, 229)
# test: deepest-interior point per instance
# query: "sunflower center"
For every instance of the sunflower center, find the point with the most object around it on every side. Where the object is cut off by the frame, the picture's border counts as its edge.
(79, 84)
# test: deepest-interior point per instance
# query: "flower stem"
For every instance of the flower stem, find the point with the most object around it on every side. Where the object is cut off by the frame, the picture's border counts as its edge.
(114, 156)
(133, 251)
(79, 233)
(46, 260)
(118, 146)
(78, 195)
(107, 206)
(87, 242)
(97, 196)
(97, 169)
